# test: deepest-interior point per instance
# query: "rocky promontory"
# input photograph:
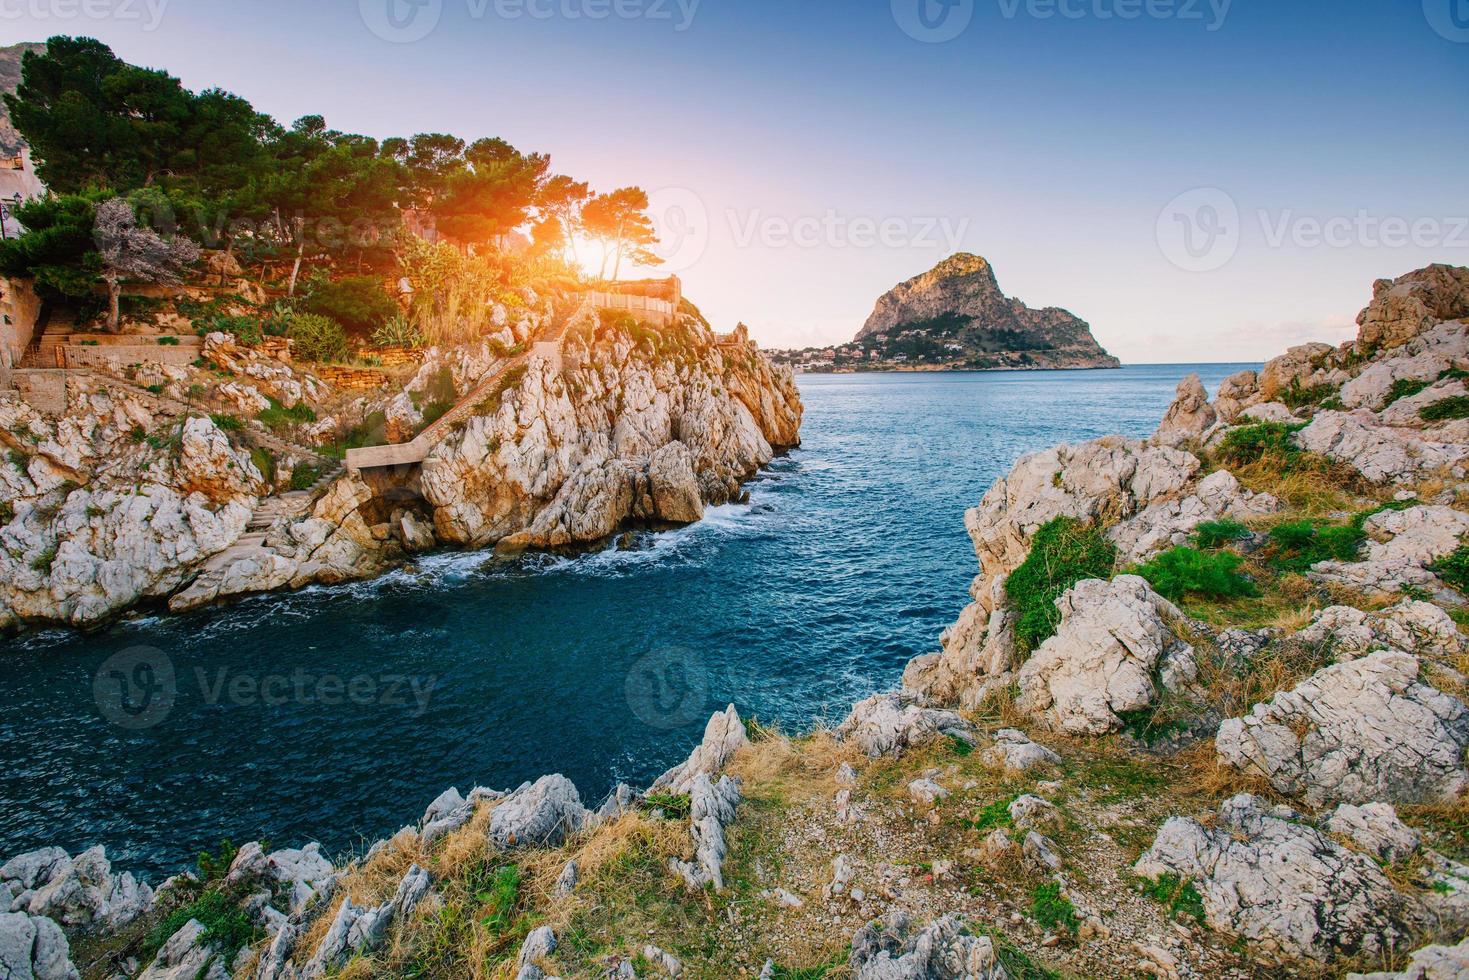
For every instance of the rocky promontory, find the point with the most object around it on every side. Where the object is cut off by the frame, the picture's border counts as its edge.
(139, 492)
(955, 317)
(1203, 718)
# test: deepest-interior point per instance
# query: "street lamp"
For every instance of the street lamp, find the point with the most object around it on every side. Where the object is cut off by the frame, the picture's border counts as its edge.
(7, 207)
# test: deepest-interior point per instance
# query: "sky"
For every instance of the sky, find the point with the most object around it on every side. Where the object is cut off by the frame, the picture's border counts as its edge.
(1201, 180)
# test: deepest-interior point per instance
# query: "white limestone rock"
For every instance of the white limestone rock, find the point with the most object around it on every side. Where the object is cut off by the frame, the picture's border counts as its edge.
(187, 956)
(357, 929)
(1380, 453)
(1015, 751)
(1412, 626)
(890, 724)
(82, 894)
(1101, 662)
(1376, 829)
(1284, 887)
(1429, 963)
(1031, 812)
(926, 792)
(893, 949)
(1190, 415)
(712, 810)
(1400, 545)
(539, 814)
(34, 948)
(724, 735)
(1356, 732)
(1170, 523)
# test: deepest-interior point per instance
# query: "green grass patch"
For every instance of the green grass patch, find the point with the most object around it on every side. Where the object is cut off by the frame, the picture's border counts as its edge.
(1064, 552)
(497, 892)
(994, 816)
(1445, 409)
(1297, 545)
(226, 422)
(226, 927)
(277, 416)
(1298, 395)
(304, 476)
(1179, 897)
(1051, 909)
(1217, 534)
(675, 806)
(1018, 964)
(1187, 571)
(1251, 443)
(1405, 388)
(1454, 568)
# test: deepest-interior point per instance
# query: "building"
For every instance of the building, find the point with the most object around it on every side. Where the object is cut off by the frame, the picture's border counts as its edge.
(18, 183)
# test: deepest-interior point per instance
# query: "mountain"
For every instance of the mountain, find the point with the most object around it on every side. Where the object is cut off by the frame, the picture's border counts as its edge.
(10, 141)
(955, 315)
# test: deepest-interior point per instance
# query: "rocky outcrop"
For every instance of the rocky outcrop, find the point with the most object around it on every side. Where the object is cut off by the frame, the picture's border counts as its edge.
(1412, 626)
(81, 893)
(724, 735)
(539, 814)
(711, 810)
(1190, 415)
(34, 948)
(1015, 751)
(893, 949)
(356, 929)
(1381, 454)
(1356, 732)
(1281, 885)
(960, 300)
(1400, 546)
(890, 724)
(1111, 647)
(1408, 306)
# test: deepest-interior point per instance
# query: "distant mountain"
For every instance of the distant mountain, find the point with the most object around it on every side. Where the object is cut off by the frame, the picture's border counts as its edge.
(956, 316)
(10, 141)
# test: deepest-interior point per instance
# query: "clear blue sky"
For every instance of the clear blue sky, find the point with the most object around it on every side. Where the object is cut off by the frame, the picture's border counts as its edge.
(1050, 144)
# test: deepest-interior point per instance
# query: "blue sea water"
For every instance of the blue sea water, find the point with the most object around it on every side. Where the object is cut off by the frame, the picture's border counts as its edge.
(337, 714)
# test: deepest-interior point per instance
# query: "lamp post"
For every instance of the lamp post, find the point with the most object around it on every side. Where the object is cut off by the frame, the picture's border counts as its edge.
(7, 207)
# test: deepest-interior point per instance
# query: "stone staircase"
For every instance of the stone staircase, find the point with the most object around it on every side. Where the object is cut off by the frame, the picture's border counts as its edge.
(417, 449)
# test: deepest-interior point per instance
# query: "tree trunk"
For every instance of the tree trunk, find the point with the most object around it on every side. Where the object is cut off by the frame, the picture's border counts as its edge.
(296, 267)
(617, 265)
(114, 305)
(602, 270)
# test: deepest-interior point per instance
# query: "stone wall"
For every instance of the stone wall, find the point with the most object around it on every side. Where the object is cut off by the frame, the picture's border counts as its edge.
(113, 357)
(351, 378)
(391, 357)
(19, 310)
(44, 389)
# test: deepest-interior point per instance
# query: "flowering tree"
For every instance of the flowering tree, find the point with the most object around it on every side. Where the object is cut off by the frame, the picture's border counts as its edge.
(135, 254)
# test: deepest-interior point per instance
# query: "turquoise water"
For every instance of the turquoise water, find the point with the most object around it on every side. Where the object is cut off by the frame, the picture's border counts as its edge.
(338, 714)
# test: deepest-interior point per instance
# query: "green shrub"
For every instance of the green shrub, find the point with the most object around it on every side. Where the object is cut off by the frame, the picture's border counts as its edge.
(226, 926)
(155, 389)
(673, 805)
(137, 434)
(1454, 568)
(168, 341)
(213, 867)
(357, 302)
(994, 815)
(1445, 409)
(1217, 534)
(317, 338)
(1298, 545)
(1178, 896)
(227, 422)
(278, 416)
(43, 561)
(1296, 396)
(304, 476)
(1187, 571)
(245, 329)
(1064, 552)
(264, 461)
(1454, 374)
(497, 893)
(1051, 909)
(1251, 443)
(1404, 388)
(397, 331)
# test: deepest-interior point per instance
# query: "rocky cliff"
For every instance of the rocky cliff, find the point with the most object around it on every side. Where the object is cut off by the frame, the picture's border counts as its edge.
(958, 306)
(1204, 718)
(133, 495)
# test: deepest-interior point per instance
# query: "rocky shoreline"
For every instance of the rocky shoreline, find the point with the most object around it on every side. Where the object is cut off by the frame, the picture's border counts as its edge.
(1204, 718)
(134, 498)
